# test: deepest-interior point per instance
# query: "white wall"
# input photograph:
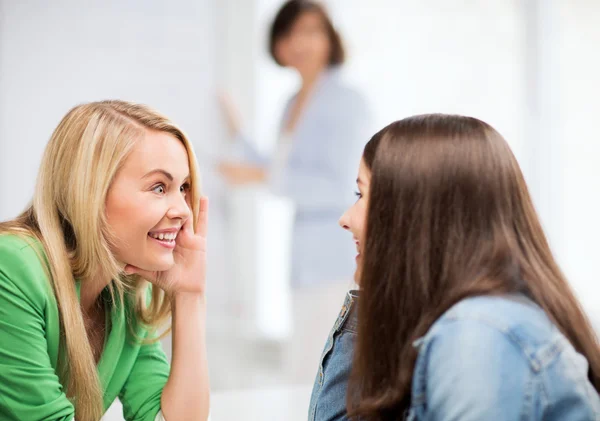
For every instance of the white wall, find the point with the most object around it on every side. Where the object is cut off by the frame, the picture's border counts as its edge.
(54, 55)
(579, 109)
(436, 56)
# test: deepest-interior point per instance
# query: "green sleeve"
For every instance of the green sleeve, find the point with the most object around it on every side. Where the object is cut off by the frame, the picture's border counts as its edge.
(143, 388)
(29, 386)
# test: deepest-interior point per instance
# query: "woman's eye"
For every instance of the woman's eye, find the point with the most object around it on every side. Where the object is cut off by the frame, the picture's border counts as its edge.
(185, 188)
(159, 189)
(358, 194)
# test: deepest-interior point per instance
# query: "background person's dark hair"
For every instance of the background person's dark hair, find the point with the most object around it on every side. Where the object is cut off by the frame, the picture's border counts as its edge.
(449, 217)
(287, 16)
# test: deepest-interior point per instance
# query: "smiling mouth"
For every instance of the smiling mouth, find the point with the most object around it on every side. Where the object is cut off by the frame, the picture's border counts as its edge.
(165, 239)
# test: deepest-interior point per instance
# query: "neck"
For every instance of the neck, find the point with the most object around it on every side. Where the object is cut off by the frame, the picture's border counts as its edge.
(309, 78)
(89, 292)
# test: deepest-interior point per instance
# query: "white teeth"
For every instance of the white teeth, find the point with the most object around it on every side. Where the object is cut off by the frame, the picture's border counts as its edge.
(164, 237)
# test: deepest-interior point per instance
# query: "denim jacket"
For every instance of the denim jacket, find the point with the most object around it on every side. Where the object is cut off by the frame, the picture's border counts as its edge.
(487, 358)
(328, 399)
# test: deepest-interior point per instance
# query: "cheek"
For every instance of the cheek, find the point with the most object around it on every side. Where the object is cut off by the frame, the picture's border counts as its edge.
(359, 219)
(130, 221)
(322, 48)
(282, 53)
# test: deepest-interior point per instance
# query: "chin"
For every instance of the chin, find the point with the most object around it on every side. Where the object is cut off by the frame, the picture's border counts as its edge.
(156, 264)
(162, 266)
(357, 277)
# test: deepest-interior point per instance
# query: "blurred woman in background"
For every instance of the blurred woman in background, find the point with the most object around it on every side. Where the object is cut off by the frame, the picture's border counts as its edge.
(463, 313)
(321, 136)
(322, 133)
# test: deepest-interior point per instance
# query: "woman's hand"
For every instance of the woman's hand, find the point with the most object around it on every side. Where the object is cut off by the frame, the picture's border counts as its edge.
(241, 173)
(188, 274)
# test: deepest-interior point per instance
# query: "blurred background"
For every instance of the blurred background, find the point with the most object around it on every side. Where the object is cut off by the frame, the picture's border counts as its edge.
(528, 67)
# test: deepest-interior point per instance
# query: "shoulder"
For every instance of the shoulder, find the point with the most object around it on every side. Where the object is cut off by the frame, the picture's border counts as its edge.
(20, 253)
(515, 316)
(470, 370)
(467, 362)
(22, 268)
(482, 338)
(485, 353)
(336, 88)
(478, 330)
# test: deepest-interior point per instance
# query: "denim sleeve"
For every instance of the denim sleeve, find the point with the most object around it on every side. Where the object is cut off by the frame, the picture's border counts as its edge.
(470, 371)
(328, 400)
(568, 391)
(331, 405)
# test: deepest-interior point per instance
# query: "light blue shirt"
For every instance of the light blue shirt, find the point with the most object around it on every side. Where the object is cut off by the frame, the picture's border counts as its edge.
(319, 176)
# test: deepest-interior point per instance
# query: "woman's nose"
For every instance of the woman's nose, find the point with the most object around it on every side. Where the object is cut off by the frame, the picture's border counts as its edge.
(345, 221)
(179, 209)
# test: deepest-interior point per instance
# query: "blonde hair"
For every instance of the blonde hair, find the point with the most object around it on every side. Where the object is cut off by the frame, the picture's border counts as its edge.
(67, 216)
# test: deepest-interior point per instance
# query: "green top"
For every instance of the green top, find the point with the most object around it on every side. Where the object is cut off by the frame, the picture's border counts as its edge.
(29, 348)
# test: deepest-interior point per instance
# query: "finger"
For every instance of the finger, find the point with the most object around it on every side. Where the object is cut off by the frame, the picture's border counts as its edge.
(188, 226)
(202, 222)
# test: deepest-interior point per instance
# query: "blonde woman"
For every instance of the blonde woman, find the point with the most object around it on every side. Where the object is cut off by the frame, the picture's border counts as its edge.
(112, 245)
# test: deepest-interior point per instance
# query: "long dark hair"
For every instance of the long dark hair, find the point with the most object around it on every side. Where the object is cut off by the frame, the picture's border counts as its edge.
(449, 217)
